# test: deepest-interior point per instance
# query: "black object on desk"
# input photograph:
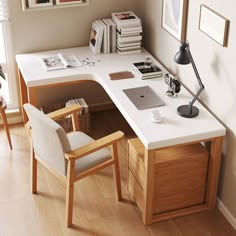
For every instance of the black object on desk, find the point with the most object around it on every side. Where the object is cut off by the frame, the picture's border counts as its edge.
(184, 57)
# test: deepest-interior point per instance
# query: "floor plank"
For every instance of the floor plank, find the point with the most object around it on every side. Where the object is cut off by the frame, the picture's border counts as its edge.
(96, 210)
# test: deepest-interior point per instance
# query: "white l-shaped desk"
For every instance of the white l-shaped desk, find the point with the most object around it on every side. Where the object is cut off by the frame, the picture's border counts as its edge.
(173, 131)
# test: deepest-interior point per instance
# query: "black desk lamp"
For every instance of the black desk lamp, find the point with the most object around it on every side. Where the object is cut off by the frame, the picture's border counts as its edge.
(184, 57)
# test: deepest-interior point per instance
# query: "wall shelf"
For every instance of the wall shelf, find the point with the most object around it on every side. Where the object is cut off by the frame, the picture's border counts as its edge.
(53, 4)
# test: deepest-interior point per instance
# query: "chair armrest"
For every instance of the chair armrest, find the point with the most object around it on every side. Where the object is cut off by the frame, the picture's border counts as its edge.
(64, 111)
(95, 146)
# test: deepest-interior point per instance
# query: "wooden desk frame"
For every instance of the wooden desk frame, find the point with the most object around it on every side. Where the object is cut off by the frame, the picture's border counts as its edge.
(29, 95)
(211, 190)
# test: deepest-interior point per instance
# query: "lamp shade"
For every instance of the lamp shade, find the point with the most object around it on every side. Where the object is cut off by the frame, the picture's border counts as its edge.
(182, 56)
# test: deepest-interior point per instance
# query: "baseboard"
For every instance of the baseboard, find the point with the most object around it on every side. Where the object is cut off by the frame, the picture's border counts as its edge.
(15, 120)
(13, 117)
(224, 210)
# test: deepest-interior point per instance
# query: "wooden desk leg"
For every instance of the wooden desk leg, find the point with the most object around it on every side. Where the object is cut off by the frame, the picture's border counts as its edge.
(23, 95)
(32, 96)
(214, 170)
(149, 160)
(4, 118)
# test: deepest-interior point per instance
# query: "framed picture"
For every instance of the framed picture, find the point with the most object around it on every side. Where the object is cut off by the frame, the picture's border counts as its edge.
(58, 2)
(40, 3)
(214, 25)
(174, 17)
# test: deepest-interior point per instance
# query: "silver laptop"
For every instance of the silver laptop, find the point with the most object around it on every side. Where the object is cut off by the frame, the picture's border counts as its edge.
(143, 97)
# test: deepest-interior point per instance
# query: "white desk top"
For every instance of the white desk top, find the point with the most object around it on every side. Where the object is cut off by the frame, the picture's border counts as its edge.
(172, 131)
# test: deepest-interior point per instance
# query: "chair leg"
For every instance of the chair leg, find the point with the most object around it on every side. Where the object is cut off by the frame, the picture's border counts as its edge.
(116, 171)
(4, 118)
(33, 172)
(70, 192)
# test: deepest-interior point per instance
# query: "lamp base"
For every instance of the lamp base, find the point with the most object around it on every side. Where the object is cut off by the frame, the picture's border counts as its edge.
(187, 112)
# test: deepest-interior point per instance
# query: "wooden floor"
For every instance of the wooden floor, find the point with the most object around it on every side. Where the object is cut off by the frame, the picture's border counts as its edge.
(96, 210)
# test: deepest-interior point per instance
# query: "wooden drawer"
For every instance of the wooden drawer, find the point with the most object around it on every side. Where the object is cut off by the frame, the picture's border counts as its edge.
(136, 160)
(135, 191)
(180, 178)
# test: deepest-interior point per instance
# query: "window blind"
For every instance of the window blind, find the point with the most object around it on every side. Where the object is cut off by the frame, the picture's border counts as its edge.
(4, 16)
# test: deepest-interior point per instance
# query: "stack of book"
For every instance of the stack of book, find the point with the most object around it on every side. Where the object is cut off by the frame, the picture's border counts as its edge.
(109, 36)
(81, 102)
(145, 71)
(129, 32)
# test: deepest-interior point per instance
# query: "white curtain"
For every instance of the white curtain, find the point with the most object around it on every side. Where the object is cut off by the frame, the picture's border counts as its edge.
(4, 16)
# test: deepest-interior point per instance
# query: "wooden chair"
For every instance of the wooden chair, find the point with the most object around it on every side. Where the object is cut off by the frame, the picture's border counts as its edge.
(73, 156)
(3, 108)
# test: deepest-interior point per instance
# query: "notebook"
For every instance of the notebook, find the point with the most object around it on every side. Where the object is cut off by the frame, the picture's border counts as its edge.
(143, 97)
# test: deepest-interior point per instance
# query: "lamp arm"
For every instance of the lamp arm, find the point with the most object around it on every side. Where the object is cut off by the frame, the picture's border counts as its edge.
(198, 78)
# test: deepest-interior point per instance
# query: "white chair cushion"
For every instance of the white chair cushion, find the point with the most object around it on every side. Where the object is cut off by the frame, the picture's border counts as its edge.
(79, 139)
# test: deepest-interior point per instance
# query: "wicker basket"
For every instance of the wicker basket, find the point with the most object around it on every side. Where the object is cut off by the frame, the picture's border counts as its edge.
(66, 122)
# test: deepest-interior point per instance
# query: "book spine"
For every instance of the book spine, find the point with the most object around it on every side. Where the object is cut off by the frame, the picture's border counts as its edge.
(130, 29)
(100, 32)
(82, 105)
(85, 105)
(105, 36)
(113, 41)
(129, 52)
(129, 39)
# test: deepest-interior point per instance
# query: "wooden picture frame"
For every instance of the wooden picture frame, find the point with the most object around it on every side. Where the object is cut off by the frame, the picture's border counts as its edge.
(39, 3)
(174, 18)
(214, 25)
(59, 2)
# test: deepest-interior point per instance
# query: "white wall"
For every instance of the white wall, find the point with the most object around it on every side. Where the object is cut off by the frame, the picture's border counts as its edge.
(216, 68)
(61, 28)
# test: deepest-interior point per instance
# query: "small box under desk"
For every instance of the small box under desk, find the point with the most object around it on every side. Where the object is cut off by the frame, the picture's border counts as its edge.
(179, 182)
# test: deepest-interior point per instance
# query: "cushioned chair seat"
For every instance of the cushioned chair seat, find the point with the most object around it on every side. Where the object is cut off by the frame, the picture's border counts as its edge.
(79, 139)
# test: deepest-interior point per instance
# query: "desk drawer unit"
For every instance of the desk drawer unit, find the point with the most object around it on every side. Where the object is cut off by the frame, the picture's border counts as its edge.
(180, 177)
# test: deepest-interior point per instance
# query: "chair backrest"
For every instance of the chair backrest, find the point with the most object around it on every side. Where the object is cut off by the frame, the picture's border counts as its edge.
(49, 140)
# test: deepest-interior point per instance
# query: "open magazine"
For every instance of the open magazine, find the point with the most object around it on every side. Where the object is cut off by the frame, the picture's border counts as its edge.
(59, 61)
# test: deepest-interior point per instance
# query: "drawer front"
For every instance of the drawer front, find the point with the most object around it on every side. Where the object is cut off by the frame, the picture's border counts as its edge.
(180, 184)
(136, 165)
(135, 191)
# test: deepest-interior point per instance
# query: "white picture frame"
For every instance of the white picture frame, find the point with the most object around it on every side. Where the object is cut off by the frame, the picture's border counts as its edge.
(214, 25)
(60, 2)
(174, 18)
(39, 3)
(35, 5)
